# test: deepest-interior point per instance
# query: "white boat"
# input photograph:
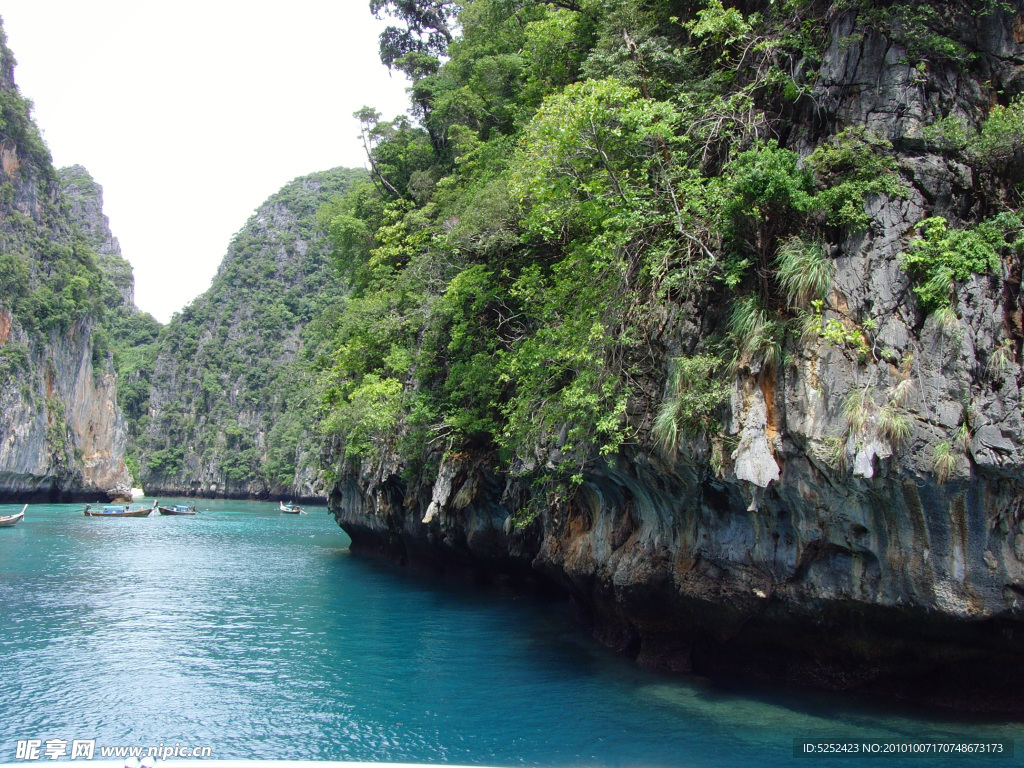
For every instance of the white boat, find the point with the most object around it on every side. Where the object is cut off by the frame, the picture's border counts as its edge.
(9, 520)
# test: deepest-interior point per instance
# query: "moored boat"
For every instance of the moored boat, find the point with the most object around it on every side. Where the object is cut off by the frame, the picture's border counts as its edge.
(178, 509)
(118, 510)
(291, 509)
(7, 521)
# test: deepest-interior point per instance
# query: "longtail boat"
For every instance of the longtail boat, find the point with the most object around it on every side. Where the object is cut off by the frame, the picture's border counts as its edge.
(9, 520)
(118, 510)
(178, 509)
(291, 509)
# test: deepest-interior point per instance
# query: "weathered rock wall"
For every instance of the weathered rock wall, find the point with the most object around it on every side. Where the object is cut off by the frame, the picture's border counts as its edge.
(797, 546)
(63, 437)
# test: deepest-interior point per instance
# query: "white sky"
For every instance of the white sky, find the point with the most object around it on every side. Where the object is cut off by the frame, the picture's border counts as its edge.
(191, 113)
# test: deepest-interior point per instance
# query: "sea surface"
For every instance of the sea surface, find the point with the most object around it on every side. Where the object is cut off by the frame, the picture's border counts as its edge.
(257, 634)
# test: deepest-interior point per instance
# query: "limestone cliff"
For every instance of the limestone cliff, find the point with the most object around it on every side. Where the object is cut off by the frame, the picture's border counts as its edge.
(130, 334)
(816, 537)
(227, 404)
(62, 435)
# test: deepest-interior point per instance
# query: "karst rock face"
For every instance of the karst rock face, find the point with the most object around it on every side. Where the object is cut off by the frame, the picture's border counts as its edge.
(805, 544)
(62, 434)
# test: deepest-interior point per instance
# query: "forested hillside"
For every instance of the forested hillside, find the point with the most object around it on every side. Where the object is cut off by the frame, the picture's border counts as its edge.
(226, 410)
(709, 314)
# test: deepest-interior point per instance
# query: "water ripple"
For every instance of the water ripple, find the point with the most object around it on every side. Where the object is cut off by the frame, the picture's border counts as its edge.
(258, 634)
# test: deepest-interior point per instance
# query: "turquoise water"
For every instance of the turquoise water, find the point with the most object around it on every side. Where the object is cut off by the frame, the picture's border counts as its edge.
(258, 634)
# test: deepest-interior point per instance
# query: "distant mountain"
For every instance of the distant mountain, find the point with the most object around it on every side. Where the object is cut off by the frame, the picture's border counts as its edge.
(129, 334)
(228, 412)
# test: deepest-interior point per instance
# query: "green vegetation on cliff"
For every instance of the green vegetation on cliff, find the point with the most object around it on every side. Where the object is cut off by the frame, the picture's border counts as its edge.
(226, 389)
(124, 333)
(711, 313)
(577, 173)
(50, 272)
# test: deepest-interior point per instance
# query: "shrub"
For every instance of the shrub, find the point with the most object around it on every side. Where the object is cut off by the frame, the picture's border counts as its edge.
(755, 336)
(766, 194)
(893, 425)
(696, 392)
(804, 271)
(368, 417)
(858, 410)
(849, 167)
(1002, 134)
(944, 460)
(940, 256)
(1002, 358)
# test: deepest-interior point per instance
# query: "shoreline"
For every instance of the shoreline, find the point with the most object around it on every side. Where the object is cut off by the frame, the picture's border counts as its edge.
(904, 656)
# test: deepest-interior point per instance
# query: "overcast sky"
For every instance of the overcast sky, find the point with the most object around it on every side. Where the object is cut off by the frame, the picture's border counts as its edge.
(190, 114)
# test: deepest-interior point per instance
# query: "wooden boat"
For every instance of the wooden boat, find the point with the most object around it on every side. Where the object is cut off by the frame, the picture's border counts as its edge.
(118, 510)
(178, 509)
(291, 509)
(9, 520)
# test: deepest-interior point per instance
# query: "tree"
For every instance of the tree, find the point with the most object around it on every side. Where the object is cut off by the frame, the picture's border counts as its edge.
(395, 149)
(427, 27)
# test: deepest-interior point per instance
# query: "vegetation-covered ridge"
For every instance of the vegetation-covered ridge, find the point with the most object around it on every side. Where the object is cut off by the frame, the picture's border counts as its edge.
(225, 410)
(578, 174)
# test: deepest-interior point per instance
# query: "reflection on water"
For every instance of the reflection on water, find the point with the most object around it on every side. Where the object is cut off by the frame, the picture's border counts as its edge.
(258, 634)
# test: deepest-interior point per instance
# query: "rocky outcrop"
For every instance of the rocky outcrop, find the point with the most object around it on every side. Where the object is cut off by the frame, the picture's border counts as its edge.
(807, 542)
(227, 403)
(85, 200)
(62, 435)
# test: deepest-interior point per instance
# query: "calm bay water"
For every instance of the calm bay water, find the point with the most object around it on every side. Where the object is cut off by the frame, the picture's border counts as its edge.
(259, 635)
